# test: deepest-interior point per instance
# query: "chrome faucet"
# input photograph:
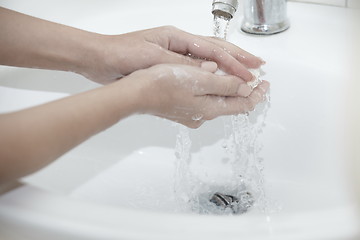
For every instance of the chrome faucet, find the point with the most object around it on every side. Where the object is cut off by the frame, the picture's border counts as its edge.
(224, 8)
(262, 17)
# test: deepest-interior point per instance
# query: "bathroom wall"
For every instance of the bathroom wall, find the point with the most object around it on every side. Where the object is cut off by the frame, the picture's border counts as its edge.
(340, 3)
(353, 112)
(352, 106)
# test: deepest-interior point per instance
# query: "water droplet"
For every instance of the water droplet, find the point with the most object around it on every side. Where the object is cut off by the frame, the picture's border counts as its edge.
(240, 56)
(197, 117)
(268, 97)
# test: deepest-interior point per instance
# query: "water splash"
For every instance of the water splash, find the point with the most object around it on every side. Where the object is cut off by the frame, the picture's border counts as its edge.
(232, 166)
(246, 150)
(240, 148)
(182, 173)
(241, 136)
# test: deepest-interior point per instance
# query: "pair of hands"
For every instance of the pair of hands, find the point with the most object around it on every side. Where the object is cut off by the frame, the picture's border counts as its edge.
(184, 87)
(176, 78)
(163, 71)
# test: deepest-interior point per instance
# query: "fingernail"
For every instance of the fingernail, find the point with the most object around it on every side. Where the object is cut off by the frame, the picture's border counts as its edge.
(253, 79)
(244, 90)
(209, 66)
(263, 62)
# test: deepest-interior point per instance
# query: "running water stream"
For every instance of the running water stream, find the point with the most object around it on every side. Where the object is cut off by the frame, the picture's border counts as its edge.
(226, 177)
(221, 26)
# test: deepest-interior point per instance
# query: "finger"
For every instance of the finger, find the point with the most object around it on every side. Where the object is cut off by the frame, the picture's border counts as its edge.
(209, 66)
(174, 58)
(182, 42)
(246, 58)
(239, 105)
(258, 94)
(244, 90)
(222, 86)
(166, 57)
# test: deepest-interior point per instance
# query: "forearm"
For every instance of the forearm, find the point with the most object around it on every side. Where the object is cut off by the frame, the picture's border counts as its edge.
(27, 41)
(31, 42)
(32, 138)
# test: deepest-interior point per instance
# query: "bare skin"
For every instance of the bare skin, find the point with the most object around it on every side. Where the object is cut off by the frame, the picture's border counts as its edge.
(155, 74)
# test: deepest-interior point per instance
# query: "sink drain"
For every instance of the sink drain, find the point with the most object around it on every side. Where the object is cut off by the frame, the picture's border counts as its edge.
(238, 205)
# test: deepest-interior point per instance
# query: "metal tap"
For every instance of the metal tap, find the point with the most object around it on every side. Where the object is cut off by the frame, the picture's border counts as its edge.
(262, 17)
(224, 8)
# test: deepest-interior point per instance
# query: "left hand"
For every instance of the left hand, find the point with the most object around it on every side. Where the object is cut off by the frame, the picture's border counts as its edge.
(189, 95)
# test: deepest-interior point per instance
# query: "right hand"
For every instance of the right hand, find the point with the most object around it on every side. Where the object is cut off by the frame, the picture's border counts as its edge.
(120, 55)
(191, 95)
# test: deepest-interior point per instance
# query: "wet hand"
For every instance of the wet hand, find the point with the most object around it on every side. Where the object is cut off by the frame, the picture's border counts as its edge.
(191, 95)
(121, 55)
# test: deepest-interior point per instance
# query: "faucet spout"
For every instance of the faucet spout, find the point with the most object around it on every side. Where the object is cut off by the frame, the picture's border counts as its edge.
(224, 8)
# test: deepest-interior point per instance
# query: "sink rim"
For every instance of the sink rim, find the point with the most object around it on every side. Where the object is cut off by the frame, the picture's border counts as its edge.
(68, 216)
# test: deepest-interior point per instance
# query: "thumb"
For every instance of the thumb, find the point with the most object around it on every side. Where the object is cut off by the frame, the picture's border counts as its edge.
(225, 86)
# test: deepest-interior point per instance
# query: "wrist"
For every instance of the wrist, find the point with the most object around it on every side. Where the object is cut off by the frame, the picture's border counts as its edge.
(88, 56)
(148, 89)
(100, 59)
(128, 95)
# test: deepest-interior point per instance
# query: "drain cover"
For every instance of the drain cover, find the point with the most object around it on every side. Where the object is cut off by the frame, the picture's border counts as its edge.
(238, 205)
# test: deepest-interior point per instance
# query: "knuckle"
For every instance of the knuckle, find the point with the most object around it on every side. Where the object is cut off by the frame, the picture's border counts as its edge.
(230, 88)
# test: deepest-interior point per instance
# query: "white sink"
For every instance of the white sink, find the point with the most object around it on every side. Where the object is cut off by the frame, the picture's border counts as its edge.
(119, 184)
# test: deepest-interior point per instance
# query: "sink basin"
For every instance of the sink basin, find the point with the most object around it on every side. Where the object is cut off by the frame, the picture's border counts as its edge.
(120, 183)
